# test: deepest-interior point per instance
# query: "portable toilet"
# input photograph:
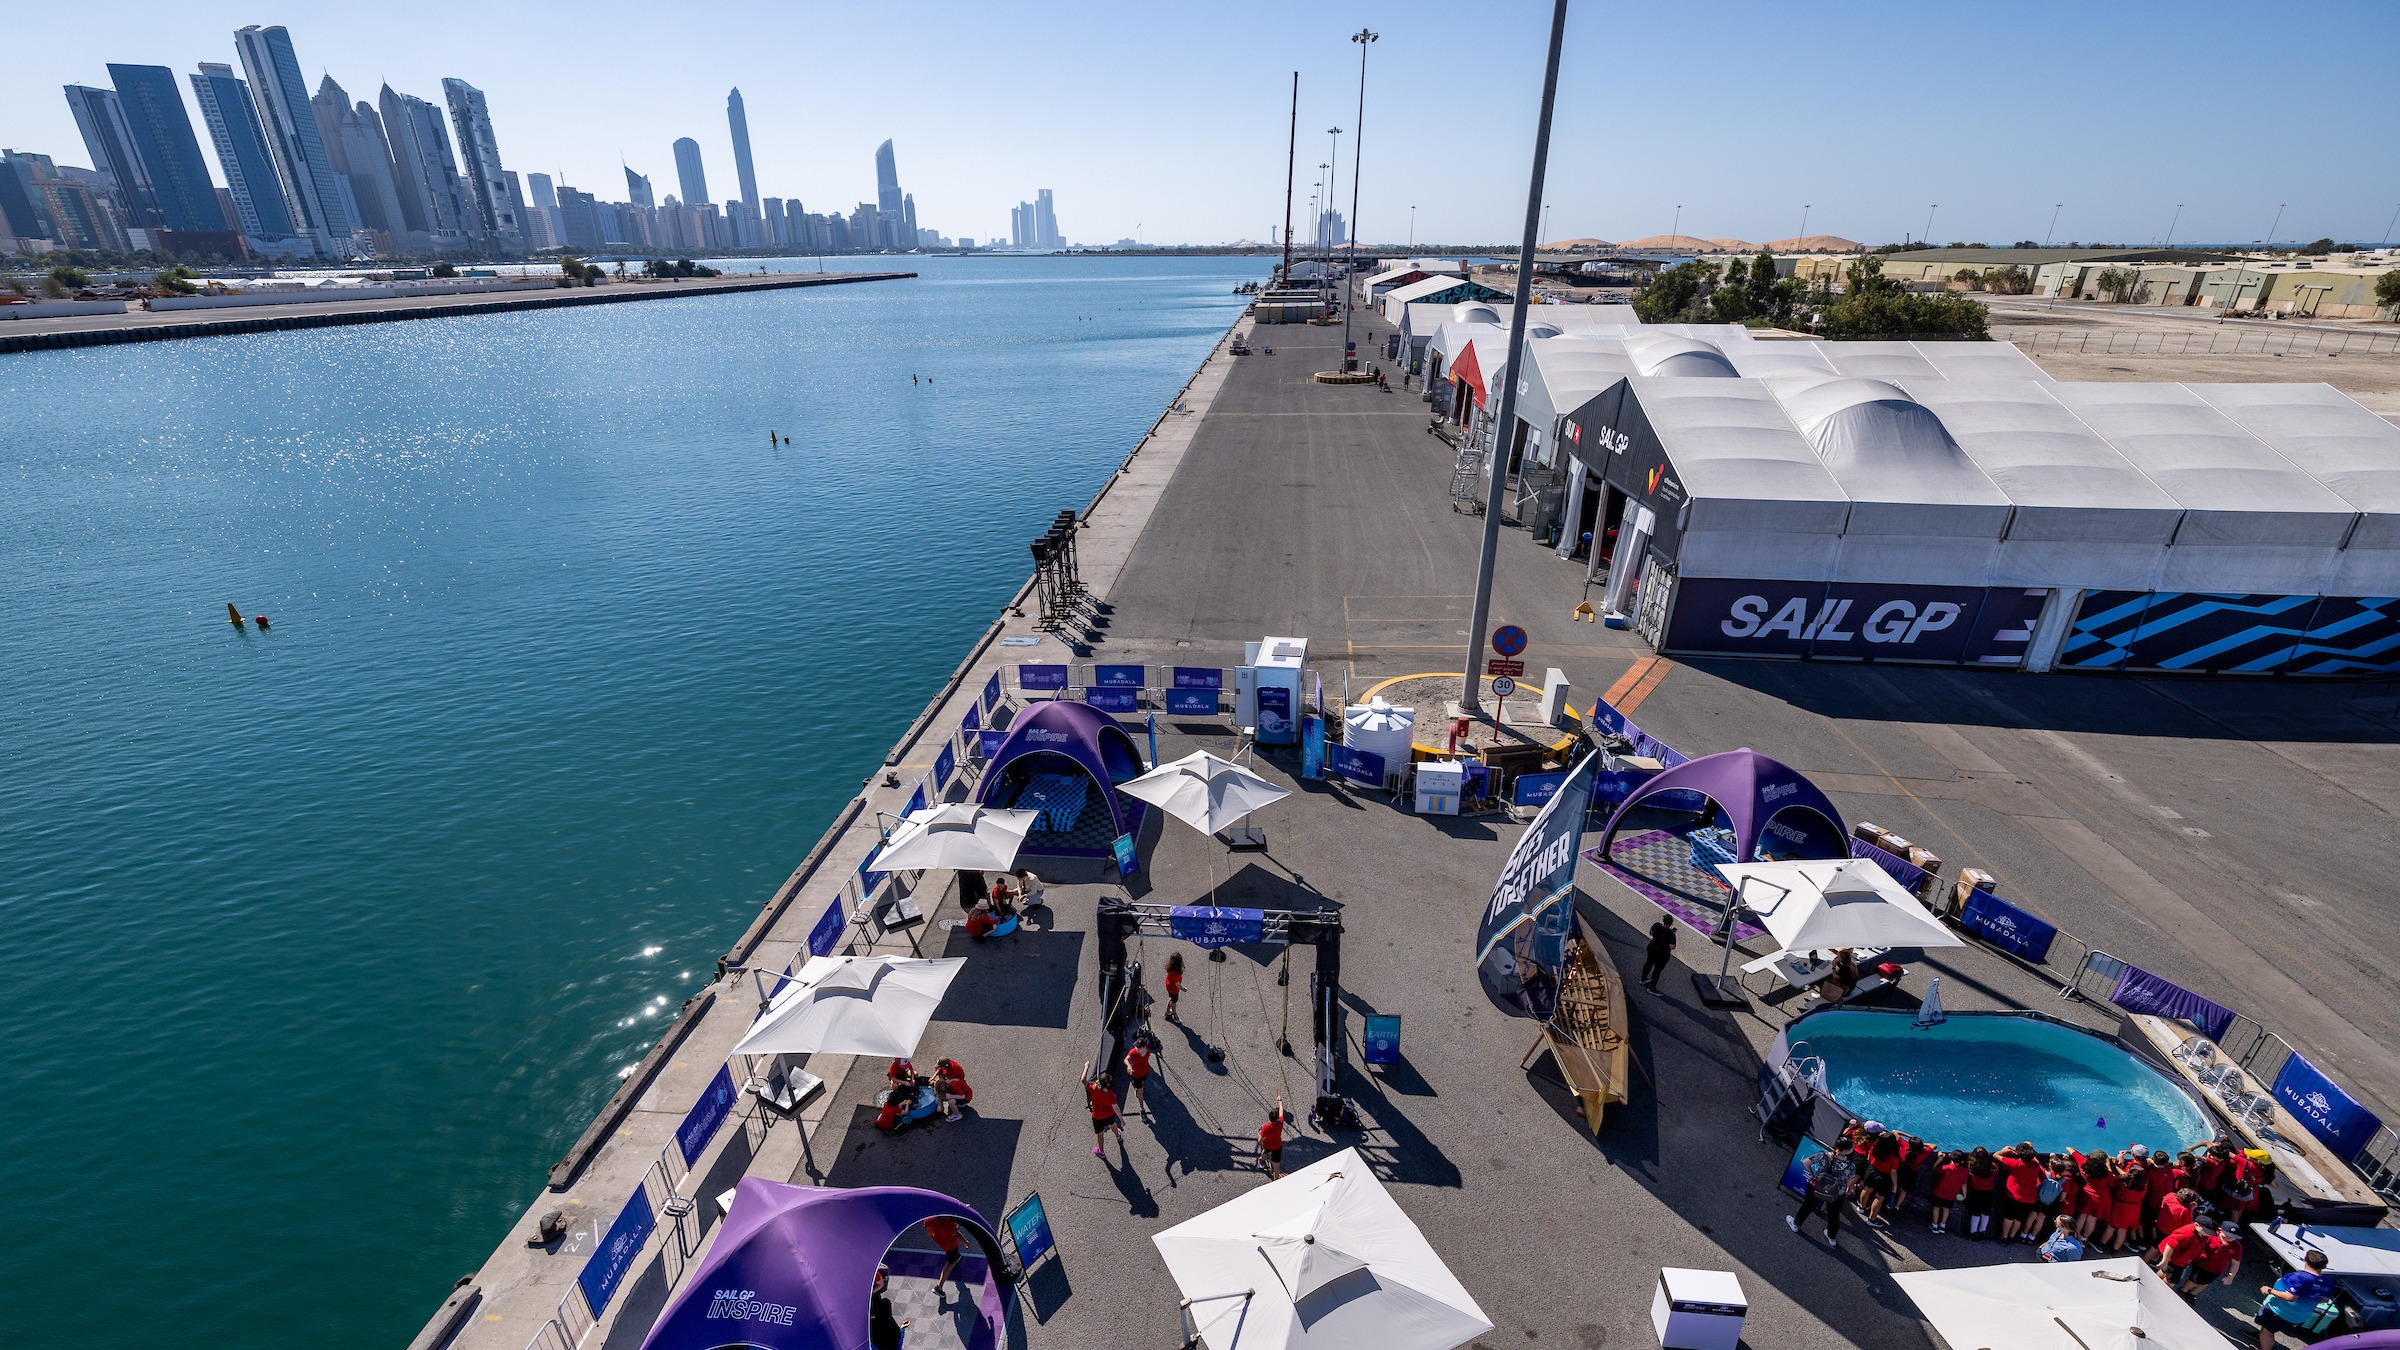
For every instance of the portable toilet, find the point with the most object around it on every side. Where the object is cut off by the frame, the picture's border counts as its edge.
(1439, 786)
(1275, 665)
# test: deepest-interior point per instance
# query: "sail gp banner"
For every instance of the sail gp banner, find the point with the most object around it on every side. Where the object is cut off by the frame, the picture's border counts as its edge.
(2323, 1109)
(1521, 942)
(1945, 624)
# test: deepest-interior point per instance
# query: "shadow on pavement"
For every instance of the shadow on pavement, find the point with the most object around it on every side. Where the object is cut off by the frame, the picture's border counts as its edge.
(1026, 979)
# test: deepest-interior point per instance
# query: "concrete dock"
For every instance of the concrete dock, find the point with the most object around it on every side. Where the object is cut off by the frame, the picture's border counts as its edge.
(2227, 834)
(142, 325)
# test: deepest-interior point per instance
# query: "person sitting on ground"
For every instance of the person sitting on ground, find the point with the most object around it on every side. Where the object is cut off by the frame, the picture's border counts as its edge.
(950, 1087)
(900, 1071)
(2062, 1245)
(980, 922)
(1837, 986)
(1002, 898)
(2292, 1300)
(1029, 889)
(896, 1103)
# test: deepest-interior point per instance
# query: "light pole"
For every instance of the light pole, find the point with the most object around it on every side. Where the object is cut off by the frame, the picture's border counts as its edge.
(1358, 141)
(2387, 230)
(1412, 225)
(1291, 158)
(1803, 235)
(2178, 220)
(2241, 275)
(1675, 229)
(1929, 223)
(1470, 698)
(2053, 223)
(1333, 173)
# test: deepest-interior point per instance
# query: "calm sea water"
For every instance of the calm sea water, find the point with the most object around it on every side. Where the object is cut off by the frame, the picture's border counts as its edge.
(321, 944)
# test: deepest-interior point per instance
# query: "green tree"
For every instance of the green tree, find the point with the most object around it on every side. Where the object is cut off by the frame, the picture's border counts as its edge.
(69, 278)
(2317, 249)
(2009, 280)
(1769, 298)
(2117, 283)
(2387, 291)
(1876, 306)
(177, 280)
(1730, 303)
(1968, 275)
(1677, 294)
(444, 268)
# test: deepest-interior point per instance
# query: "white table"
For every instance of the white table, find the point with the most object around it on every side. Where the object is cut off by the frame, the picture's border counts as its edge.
(1698, 1309)
(2348, 1251)
(1805, 970)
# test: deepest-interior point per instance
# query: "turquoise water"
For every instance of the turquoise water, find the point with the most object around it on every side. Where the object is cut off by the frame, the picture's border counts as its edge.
(323, 943)
(1996, 1081)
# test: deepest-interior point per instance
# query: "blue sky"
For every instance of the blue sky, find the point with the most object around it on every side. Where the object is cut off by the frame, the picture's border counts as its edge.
(1172, 120)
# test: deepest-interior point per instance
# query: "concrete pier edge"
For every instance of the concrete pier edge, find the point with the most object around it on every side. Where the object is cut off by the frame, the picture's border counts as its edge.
(514, 1294)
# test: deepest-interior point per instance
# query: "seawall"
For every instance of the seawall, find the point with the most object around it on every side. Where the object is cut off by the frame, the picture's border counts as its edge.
(149, 326)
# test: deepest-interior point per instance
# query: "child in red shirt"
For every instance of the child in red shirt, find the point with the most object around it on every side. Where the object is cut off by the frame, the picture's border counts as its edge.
(2221, 1259)
(1270, 1142)
(1174, 982)
(950, 1084)
(1103, 1101)
(944, 1233)
(1949, 1183)
(1137, 1072)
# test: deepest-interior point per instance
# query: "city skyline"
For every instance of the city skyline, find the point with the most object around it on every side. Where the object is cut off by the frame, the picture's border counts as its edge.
(1122, 141)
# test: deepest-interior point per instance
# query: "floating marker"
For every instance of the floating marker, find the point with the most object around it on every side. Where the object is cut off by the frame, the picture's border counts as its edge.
(261, 621)
(2101, 1123)
(232, 614)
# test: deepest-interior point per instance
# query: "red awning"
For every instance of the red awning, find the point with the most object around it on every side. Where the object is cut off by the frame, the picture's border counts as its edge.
(1465, 367)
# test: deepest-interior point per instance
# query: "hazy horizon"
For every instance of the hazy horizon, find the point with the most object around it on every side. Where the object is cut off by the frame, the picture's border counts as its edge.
(1172, 128)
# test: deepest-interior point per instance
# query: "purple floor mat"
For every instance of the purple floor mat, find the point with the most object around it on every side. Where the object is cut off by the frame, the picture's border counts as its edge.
(1657, 865)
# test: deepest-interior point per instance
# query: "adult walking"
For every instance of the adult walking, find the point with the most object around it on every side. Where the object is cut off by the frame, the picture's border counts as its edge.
(884, 1332)
(1654, 957)
(2292, 1300)
(1829, 1176)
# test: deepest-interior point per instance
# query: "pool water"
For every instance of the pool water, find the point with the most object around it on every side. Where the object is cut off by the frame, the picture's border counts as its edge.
(1995, 1080)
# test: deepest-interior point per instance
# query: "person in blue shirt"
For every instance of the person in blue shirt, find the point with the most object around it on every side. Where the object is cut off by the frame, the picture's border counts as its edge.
(2291, 1300)
(2063, 1244)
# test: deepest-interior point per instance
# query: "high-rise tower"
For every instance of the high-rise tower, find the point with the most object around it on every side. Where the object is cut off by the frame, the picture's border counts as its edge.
(495, 192)
(162, 135)
(281, 96)
(101, 118)
(739, 122)
(688, 173)
(888, 198)
(242, 152)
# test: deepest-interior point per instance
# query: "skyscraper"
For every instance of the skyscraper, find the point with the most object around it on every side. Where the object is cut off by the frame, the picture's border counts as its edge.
(101, 118)
(688, 174)
(739, 121)
(354, 141)
(496, 206)
(242, 152)
(22, 215)
(544, 227)
(908, 217)
(637, 189)
(887, 182)
(424, 170)
(1046, 222)
(170, 153)
(281, 97)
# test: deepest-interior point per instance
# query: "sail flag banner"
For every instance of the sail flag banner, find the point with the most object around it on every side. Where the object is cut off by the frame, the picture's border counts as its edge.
(1521, 942)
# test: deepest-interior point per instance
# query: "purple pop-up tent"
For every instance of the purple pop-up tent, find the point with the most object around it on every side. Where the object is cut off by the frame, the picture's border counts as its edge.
(1759, 795)
(794, 1269)
(1057, 736)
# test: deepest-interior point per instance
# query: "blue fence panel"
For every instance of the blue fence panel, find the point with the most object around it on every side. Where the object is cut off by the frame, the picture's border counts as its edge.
(1357, 766)
(827, 935)
(701, 1122)
(1908, 874)
(991, 692)
(1114, 700)
(606, 1270)
(1191, 702)
(1119, 677)
(944, 765)
(1199, 677)
(1033, 677)
(2007, 927)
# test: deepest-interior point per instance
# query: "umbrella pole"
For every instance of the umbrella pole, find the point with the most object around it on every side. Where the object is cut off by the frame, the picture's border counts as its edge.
(1720, 990)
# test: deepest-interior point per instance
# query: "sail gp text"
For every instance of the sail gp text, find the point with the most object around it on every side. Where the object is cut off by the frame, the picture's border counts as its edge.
(1893, 622)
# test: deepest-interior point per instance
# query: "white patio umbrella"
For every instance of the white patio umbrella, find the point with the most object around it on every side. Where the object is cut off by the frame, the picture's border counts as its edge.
(1206, 793)
(1203, 791)
(956, 835)
(1323, 1259)
(2117, 1304)
(853, 1005)
(1822, 905)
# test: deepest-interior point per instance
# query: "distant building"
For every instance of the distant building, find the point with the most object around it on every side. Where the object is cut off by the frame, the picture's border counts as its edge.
(101, 118)
(578, 221)
(260, 209)
(690, 178)
(637, 190)
(354, 141)
(888, 197)
(1332, 230)
(542, 225)
(738, 122)
(500, 214)
(1035, 225)
(185, 196)
(301, 162)
(426, 172)
(744, 223)
(75, 214)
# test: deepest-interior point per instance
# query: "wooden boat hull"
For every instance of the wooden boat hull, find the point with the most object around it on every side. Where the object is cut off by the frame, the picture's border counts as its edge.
(1587, 1035)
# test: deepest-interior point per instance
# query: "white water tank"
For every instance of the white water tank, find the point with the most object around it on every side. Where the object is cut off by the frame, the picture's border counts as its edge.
(1378, 728)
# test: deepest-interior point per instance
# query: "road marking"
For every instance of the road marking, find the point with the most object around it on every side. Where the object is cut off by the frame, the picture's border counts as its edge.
(1632, 676)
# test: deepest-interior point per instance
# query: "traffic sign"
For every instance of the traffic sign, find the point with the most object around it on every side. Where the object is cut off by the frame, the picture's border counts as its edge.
(1503, 686)
(1495, 666)
(1508, 639)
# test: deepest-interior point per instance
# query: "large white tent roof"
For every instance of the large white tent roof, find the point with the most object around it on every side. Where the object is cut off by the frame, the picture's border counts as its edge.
(1956, 463)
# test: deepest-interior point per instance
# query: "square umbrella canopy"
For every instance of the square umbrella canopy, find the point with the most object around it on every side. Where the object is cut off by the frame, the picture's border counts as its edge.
(956, 835)
(1323, 1259)
(1818, 906)
(2117, 1304)
(853, 1005)
(1203, 791)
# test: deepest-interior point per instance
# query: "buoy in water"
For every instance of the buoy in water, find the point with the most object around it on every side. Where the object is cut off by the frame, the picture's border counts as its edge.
(260, 620)
(2101, 1123)
(232, 614)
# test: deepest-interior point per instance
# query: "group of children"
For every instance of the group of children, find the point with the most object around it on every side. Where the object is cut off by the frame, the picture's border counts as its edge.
(1140, 1062)
(2186, 1211)
(904, 1093)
